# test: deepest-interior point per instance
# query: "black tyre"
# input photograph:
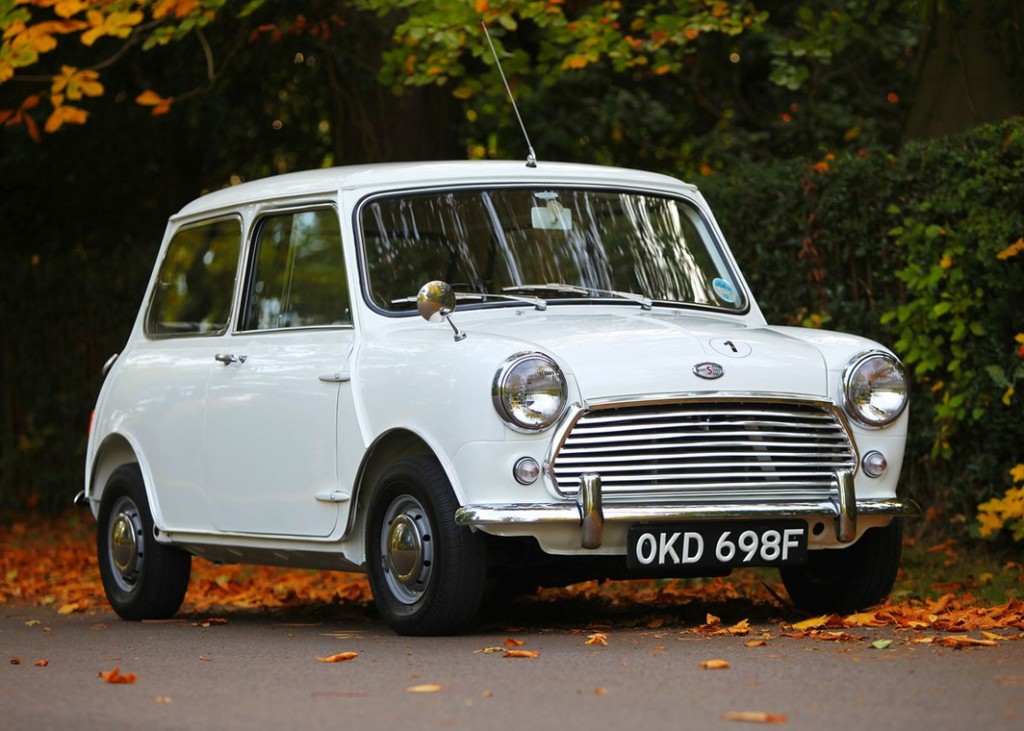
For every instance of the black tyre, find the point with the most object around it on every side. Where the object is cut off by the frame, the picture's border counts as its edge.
(143, 579)
(427, 573)
(847, 580)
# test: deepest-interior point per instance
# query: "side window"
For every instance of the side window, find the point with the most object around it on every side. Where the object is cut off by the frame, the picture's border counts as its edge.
(297, 273)
(196, 280)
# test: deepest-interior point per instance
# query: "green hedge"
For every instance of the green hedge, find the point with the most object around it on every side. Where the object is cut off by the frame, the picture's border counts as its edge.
(916, 251)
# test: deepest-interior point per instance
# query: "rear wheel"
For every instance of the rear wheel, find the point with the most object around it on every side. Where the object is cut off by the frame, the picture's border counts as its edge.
(143, 579)
(849, 579)
(426, 572)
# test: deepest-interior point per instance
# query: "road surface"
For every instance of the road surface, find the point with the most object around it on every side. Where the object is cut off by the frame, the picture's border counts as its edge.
(260, 670)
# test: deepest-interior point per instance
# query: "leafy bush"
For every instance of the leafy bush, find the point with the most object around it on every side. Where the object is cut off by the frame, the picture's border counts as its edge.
(921, 251)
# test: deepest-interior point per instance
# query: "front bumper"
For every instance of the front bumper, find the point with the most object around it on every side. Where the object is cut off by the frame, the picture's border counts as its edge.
(590, 513)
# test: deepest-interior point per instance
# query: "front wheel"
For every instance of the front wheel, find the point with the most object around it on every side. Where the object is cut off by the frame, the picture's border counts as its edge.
(427, 573)
(846, 580)
(143, 579)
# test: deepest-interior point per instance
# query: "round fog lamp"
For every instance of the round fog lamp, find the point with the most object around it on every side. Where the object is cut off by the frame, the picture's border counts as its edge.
(875, 464)
(526, 471)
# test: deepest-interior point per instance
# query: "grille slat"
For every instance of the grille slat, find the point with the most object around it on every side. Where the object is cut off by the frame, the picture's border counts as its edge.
(729, 450)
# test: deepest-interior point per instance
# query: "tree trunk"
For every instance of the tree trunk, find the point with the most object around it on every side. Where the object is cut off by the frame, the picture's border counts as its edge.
(966, 74)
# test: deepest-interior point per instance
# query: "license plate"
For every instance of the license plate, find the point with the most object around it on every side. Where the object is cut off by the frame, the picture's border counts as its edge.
(717, 545)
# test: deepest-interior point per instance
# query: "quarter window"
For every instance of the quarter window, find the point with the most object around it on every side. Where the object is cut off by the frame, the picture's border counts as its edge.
(195, 283)
(298, 273)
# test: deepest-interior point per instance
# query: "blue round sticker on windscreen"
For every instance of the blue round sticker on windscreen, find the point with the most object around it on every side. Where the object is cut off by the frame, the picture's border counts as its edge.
(724, 290)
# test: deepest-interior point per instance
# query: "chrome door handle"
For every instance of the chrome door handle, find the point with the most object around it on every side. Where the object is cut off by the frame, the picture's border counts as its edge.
(229, 358)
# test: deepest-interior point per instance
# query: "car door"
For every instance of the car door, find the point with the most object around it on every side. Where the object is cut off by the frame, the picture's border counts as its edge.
(165, 373)
(273, 394)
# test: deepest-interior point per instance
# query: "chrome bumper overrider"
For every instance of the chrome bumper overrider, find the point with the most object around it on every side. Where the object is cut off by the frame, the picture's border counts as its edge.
(590, 513)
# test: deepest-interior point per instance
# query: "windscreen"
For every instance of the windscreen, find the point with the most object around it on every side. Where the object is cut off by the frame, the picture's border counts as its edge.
(557, 244)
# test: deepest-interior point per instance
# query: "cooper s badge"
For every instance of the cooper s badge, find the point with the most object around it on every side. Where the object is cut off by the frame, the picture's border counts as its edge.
(709, 371)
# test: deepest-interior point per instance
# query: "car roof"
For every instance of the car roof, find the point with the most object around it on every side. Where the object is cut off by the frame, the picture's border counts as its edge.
(425, 174)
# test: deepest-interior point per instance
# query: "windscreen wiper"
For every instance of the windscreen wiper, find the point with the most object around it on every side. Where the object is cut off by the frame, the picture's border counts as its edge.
(536, 302)
(640, 299)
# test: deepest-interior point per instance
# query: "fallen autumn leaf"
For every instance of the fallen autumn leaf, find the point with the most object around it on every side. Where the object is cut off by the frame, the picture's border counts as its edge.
(116, 678)
(424, 688)
(521, 653)
(755, 717)
(339, 657)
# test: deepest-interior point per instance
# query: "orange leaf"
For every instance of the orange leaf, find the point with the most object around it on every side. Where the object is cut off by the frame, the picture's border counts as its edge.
(521, 653)
(76, 84)
(116, 25)
(715, 665)
(755, 717)
(812, 623)
(67, 8)
(149, 98)
(598, 638)
(864, 619)
(509, 642)
(180, 8)
(42, 663)
(115, 677)
(575, 61)
(942, 603)
(424, 688)
(340, 657)
(64, 114)
(740, 628)
(755, 643)
(961, 641)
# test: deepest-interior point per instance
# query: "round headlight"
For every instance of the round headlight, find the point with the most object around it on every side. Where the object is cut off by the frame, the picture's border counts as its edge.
(529, 391)
(875, 389)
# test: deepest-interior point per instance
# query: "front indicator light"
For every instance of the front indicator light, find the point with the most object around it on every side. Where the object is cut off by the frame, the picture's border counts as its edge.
(874, 463)
(526, 470)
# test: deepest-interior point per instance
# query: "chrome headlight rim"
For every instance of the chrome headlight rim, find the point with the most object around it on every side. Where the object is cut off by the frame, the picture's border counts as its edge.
(514, 417)
(862, 412)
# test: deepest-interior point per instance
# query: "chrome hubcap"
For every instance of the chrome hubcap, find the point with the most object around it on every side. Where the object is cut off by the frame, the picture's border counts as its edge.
(125, 544)
(407, 551)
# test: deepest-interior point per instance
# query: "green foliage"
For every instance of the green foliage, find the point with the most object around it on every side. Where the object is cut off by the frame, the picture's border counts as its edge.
(738, 79)
(922, 251)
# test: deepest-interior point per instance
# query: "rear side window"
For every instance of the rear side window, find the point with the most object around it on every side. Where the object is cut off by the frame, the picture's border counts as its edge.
(196, 281)
(297, 273)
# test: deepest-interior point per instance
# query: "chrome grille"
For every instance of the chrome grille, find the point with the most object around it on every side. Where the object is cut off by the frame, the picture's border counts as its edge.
(722, 451)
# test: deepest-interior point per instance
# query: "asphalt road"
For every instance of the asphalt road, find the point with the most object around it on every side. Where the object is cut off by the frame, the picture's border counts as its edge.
(260, 671)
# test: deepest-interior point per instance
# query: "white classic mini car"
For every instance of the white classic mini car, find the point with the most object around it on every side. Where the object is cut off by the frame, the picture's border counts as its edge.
(607, 400)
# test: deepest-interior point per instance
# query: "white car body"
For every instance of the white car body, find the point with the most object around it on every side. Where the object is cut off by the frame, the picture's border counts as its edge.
(265, 446)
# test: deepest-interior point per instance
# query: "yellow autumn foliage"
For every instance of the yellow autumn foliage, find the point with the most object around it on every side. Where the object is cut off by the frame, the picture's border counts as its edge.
(1006, 511)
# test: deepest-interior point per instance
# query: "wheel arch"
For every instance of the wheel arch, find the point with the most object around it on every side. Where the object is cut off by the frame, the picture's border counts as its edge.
(387, 448)
(115, 451)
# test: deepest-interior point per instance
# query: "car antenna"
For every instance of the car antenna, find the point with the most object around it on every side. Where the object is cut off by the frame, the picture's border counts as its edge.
(531, 158)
